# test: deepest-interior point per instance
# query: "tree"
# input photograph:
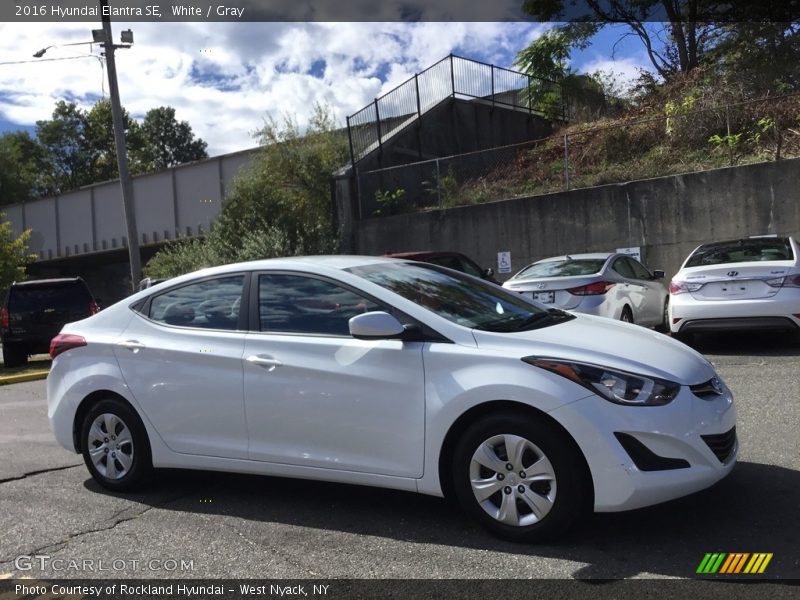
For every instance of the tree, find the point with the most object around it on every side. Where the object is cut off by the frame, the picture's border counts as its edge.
(280, 205)
(167, 142)
(100, 141)
(14, 255)
(66, 148)
(21, 168)
(678, 46)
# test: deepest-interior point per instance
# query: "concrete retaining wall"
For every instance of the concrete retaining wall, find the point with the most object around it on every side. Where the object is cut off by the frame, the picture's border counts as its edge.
(666, 216)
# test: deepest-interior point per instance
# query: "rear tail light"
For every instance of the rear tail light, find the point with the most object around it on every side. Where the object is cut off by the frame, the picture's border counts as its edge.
(65, 341)
(93, 308)
(792, 281)
(4, 321)
(681, 287)
(593, 289)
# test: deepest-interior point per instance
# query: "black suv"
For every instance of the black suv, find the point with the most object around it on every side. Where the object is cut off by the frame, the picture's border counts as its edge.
(35, 311)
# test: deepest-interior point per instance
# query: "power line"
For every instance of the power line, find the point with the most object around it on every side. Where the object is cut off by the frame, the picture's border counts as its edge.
(38, 60)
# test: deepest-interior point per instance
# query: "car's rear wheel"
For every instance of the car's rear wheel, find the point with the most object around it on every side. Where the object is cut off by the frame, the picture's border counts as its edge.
(14, 355)
(519, 478)
(627, 315)
(115, 446)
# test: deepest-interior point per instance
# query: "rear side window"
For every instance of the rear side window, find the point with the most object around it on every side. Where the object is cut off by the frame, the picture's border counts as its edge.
(73, 296)
(753, 250)
(208, 304)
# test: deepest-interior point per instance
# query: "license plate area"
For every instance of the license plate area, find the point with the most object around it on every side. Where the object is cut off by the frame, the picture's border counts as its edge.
(732, 288)
(544, 297)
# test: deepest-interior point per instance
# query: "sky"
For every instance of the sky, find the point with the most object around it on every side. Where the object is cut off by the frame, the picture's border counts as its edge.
(226, 79)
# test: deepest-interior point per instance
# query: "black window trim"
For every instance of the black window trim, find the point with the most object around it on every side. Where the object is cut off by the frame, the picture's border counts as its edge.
(428, 334)
(142, 307)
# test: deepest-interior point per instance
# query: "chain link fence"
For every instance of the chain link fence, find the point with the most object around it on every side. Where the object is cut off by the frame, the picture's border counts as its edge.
(682, 140)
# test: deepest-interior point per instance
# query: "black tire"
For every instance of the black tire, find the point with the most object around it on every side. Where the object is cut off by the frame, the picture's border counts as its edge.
(569, 494)
(139, 466)
(14, 355)
(627, 315)
(664, 327)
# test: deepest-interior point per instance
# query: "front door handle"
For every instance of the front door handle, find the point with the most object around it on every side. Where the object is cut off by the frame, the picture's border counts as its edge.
(263, 360)
(132, 345)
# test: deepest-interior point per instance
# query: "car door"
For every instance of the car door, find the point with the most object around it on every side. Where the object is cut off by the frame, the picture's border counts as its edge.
(182, 361)
(653, 294)
(632, 293)
(317, 397)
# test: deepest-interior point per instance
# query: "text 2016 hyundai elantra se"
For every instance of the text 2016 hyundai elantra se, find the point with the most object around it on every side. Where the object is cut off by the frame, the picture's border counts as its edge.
(391, 373)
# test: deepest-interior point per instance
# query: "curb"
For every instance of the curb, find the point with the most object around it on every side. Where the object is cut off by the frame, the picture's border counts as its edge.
(23, 377)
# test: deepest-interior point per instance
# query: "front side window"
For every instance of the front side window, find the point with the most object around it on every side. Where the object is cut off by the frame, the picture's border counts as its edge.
(623, 267)
(458, 298)
(638, 269)
(208, 304)
(307, 305)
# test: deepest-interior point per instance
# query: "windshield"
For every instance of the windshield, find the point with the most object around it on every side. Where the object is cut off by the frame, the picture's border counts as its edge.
(461, 299)
(741, 251)
(563, 268)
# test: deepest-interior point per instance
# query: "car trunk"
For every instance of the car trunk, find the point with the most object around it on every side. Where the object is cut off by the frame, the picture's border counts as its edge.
(552, 291)
(736, 281)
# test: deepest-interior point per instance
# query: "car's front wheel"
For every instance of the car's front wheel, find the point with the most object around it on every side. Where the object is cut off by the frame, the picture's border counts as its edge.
(521, 479)
(115, 446)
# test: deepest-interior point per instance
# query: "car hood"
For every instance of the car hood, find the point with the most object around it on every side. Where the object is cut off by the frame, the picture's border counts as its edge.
(607, 343)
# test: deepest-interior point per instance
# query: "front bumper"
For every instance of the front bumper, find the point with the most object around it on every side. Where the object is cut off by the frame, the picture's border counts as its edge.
(673, 431)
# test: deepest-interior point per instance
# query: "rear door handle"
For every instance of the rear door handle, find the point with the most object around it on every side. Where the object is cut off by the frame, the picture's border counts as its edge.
(263, 360)
(132, 345)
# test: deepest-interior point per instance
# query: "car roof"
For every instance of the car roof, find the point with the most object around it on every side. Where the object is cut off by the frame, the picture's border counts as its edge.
(423, 255)
(46, 282)
(590, 255)
(747, 240)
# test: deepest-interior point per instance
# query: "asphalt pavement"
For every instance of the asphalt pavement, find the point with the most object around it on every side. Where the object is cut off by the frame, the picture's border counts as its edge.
(211, 525)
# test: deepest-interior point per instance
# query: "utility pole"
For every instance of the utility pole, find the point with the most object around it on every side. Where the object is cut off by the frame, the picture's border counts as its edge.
(122, 155)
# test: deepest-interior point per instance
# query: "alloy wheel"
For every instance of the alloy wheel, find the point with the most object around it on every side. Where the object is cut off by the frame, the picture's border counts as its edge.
(110, 446)
(512, 480)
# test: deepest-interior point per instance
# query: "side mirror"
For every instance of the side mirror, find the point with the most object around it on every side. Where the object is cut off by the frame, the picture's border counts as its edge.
(489, 272)
(658, 274)
(377, 325)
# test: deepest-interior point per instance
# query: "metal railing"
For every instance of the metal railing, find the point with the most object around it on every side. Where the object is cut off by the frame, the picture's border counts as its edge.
(452, 77)
(619, 150)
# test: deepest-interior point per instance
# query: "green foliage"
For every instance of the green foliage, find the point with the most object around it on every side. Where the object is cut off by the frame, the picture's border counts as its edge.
(76, 147)
(14, 255)
(280, 205)
(166, 142)
(390, 202)
(21, 168)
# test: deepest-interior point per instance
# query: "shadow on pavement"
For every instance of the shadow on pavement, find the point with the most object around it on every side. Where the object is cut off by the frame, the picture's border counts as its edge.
(755, 509)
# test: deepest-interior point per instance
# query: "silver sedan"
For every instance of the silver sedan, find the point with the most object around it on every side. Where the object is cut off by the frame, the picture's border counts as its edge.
(616, 286)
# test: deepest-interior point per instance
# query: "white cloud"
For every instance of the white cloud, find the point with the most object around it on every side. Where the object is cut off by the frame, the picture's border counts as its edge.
(623, 71)
(227, 78)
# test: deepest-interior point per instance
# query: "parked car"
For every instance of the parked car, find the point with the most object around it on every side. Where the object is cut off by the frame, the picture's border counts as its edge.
(397, 374)
(35, 311)
(451, 260)
(610, 285)
(749, 283)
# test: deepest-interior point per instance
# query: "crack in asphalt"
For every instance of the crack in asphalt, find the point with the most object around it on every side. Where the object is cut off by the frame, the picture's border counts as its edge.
(39, 472)
(53, 547)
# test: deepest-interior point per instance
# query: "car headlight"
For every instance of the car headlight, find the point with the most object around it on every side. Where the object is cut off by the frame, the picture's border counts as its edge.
(628, 389)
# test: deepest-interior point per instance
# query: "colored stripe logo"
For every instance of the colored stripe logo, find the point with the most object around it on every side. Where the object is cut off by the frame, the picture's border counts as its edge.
(734, 563)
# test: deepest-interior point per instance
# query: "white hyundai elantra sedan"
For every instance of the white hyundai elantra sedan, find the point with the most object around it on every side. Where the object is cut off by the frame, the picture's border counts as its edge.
(391, 373)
